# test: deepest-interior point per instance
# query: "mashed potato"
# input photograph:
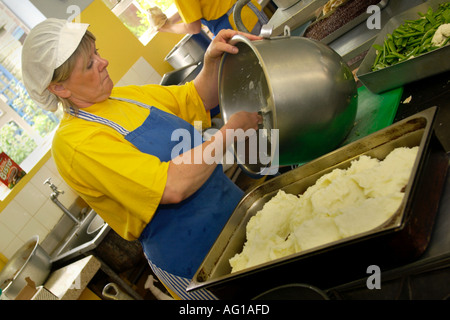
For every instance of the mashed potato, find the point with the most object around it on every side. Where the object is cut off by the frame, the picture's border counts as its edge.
(342, 203)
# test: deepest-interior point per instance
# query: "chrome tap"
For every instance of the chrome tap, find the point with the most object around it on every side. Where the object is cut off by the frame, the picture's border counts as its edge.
(54, 197)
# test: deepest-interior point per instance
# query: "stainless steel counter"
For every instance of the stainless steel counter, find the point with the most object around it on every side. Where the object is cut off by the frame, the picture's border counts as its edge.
(360, 38)
(350, 44)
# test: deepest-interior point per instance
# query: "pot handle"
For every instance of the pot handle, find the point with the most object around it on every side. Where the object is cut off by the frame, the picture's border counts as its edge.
(237, 15)
(266, 29)
(266, 33)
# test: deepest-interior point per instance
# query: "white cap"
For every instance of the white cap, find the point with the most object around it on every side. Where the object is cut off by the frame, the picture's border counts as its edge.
(48, 45)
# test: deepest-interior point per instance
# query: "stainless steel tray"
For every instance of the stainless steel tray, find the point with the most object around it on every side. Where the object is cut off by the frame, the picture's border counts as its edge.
(420, 67)
(344, 259)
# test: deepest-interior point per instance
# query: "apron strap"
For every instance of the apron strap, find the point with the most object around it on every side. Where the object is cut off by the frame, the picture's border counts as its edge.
(143, 105)
(94, 118)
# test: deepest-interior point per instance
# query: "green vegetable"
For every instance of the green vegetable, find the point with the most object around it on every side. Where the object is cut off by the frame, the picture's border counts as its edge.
(412, 38)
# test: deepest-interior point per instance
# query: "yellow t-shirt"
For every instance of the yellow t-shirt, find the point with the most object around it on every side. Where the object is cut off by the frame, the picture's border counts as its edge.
(193, 10)
(123, 185)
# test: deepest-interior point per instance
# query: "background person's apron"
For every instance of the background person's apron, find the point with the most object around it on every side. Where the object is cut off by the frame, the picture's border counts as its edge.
(179, 236)
(224, 22)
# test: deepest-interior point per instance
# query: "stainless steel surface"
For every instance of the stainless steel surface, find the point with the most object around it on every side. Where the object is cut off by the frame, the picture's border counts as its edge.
(296, 15)
(214, 272)
(181, 75)
(83, 238)
(360, 38)
(303, 89)
(284, 4)
(420, 67)
(54, 198)
(350, 44)
(29, 261)
(189, 50)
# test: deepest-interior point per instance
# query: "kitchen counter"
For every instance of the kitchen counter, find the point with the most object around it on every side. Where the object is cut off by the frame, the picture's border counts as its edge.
(68, 283)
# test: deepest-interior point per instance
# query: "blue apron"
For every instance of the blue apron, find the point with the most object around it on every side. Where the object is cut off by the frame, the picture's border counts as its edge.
(179, 236)
(224, 23)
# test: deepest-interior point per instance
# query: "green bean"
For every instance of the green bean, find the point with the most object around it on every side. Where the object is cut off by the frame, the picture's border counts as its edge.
(412, 34)
(378, 47)
(391, 45)
(399, 55)
(445, 41)
(412, 53)
(428, 34)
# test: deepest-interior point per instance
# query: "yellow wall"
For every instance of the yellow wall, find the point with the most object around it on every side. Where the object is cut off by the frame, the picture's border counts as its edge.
(3, 261)
(87, 294)
(120, 47)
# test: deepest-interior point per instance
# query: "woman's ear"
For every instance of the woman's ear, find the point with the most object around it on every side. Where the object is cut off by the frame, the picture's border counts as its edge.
(59, 90)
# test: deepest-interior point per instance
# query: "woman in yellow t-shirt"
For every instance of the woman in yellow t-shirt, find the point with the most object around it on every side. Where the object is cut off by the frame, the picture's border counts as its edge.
(119, 148)
(215, 14)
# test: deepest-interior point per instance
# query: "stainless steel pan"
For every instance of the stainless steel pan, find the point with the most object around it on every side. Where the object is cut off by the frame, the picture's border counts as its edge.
(403, 238)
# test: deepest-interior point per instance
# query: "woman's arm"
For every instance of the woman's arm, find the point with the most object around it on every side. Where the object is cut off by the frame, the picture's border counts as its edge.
(181, 28)
(186, 174)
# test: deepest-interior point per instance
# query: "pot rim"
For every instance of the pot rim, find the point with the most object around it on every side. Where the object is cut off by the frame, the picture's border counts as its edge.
(242, 39)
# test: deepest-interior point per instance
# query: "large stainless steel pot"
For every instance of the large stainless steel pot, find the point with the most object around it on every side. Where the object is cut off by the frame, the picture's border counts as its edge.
(301, 86)
(29, 261)
(191, 49)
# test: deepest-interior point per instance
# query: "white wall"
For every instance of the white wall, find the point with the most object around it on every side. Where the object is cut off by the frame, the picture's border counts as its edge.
(139, 74)
(61, 9)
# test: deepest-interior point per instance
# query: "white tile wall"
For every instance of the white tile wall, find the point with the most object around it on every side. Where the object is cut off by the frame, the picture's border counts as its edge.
(139, 74)
(32, 212)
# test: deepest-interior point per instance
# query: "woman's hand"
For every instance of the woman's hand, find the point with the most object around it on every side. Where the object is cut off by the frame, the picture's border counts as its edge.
(244, 120)
(207, 81)
(220, 44)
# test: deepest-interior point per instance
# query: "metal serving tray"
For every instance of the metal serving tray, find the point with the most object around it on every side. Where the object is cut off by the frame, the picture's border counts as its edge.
(420, 67)
(404, 237)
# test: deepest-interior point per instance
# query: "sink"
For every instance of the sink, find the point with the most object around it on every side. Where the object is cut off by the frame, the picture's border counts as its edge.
(82, 238)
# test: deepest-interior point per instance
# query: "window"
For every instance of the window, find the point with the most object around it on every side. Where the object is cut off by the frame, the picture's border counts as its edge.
(25, 129)
(133, 14)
